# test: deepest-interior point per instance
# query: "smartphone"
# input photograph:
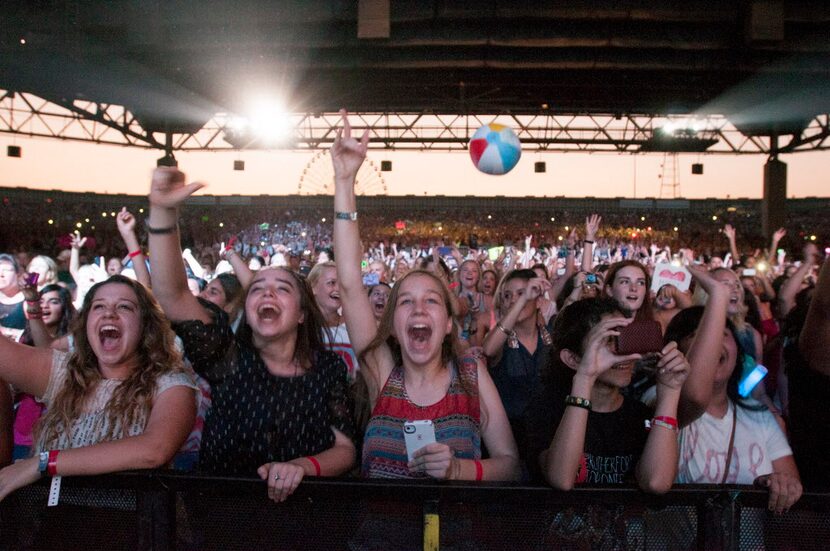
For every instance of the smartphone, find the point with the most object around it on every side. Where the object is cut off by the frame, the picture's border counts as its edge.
(561, 271)
(749, 272)
(751, 379)
(562, 253)
(591, 279)
(445, 251)
(418, 434)
(371, 279)
(640, 337)
(32, 278)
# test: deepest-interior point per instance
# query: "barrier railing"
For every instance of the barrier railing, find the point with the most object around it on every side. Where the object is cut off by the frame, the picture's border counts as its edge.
(163, 510)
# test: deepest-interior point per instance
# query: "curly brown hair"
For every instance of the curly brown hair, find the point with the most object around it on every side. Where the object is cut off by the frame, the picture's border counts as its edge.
(157, 356)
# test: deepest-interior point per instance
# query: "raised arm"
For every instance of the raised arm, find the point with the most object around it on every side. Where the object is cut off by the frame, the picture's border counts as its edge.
(816, 333)
(772, 255)
(167, 192)
(591, 227)
(494, 342)
(705, 350)
(657, 467)
(730, 234)
(126, 227)
(347, 155)
(171, 420)
(240, 268)
(75, 255)
(791, 287)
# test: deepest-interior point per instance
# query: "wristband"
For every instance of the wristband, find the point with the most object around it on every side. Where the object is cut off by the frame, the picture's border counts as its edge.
(668, 420)
(576, 401)
(479, 470)
(315, 463)
(587, 241)
(134, 253)
(658, 423)
(159, 231)
(352, 216)
(52, 465)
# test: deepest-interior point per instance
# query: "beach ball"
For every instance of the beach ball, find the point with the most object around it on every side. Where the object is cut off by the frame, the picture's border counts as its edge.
(495, 149)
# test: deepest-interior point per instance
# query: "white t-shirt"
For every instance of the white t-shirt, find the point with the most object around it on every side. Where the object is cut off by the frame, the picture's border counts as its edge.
(342, 345)
(92, 426)
(703, 447)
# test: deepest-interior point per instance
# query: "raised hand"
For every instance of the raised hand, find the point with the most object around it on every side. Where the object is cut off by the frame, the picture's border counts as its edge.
(168, 189)
(125, 222)
(592, 227)
(347, 152)
(779, 234)
(729, 232)
(599, 355)
(77, 241)
(673, 368)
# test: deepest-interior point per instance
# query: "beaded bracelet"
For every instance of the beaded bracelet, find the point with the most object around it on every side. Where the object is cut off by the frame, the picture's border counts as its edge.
(576, 401)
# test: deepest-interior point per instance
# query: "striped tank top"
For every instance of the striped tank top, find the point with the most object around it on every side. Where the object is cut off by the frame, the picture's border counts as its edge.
(456, 418)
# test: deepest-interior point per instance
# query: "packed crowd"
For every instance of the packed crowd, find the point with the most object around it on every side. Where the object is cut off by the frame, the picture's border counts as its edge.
(287, 351)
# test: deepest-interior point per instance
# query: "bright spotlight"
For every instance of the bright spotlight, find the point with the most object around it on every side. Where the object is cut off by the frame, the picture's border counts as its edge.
(669, 128)
(269, 120)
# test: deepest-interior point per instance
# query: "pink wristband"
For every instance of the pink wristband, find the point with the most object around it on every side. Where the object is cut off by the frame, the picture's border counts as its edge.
(479, 470)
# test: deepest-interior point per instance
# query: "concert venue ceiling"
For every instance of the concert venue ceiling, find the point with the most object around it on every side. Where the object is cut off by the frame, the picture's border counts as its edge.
(176, 63)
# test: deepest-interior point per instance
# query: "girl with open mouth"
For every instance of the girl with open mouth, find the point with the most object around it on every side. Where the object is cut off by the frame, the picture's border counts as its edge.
(409, 362)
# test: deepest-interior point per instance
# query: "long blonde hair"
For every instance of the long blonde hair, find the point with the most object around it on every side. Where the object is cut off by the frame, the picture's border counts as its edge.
(157, 355)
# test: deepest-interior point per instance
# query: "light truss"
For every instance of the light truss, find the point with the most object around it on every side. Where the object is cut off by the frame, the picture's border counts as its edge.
(30, 115)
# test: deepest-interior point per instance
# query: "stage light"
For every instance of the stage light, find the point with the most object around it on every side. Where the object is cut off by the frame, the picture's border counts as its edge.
(489, 217)
(812, 238)
(714, 217)
(539, 167)
(323, 220)
(78, 225)
(269, 120)
(642, 219)
(51, 221)
(103, 215)
(141, 210)
(552, 219)
(697, 168)
(675, 228)
(221, 224)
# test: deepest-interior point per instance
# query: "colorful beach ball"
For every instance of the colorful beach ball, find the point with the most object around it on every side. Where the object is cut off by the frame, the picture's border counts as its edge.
(495, 149)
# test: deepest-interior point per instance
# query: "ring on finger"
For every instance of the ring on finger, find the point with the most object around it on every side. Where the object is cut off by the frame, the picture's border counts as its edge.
(276, 477)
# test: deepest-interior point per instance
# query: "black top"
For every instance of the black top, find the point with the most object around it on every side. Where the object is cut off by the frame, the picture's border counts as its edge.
(809, 419)
(257, 417)
(11, 315)
(613, 441)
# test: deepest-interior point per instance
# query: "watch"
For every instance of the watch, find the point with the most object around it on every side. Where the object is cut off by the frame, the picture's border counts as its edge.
(346, 215)
(42, 462)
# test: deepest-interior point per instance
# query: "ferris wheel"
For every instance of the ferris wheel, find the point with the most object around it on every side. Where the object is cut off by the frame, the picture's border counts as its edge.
(318, 177)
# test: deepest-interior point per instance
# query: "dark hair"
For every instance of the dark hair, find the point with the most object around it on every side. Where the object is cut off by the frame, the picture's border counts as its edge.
(570, 328)
(541, 266)
(309, 333)
(234, 293)
(68, 313)
(379, 284)
(685, 323)
(425, 262)
(644, 312)
(521, 273)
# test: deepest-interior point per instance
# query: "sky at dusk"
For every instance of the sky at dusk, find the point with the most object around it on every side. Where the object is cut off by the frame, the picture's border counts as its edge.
(72, 166)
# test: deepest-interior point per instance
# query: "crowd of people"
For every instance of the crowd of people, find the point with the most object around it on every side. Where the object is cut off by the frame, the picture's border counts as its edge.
(292, 350)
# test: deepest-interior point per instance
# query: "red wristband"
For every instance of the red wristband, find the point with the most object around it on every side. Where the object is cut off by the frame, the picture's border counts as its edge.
(135, 253)
(668, 420)
(479, 470)
(315, 463)
(52, 465)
